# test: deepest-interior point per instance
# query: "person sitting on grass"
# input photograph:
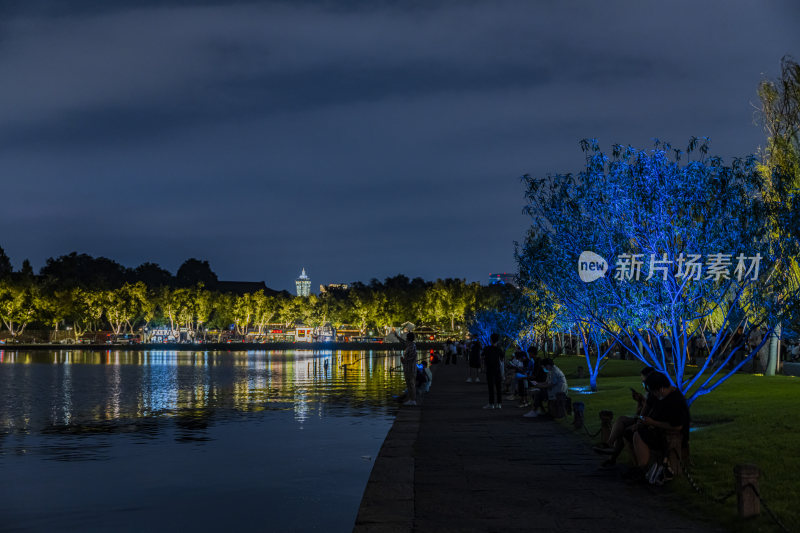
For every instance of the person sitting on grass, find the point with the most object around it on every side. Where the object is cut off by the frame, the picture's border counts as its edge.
(670, 413)
(623, 427)
(555, 383)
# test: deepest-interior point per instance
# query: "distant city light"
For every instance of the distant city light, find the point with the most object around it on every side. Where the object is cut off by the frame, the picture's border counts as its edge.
(503, 279)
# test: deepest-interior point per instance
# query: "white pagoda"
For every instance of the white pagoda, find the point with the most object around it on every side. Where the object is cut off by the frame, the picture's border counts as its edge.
(303, 284)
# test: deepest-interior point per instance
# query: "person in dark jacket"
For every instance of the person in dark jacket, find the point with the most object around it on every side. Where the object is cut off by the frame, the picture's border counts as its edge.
(670, 413)
(474, 362)
(538, 370)
(492, 359)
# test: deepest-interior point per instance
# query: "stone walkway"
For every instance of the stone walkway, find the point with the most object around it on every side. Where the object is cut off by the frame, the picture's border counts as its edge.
(450, 466)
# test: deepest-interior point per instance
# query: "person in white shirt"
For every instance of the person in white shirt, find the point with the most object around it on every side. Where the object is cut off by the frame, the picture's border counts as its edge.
(556, 382)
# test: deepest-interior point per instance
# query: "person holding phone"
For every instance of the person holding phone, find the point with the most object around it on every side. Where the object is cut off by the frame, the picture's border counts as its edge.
(624, 426)
(554, 384)
(670, 413)
(409, 361)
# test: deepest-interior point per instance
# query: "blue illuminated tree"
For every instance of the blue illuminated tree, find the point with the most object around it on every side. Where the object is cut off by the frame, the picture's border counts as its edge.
(523, 318)
(597, 346)
(685, 247)
(485, 322)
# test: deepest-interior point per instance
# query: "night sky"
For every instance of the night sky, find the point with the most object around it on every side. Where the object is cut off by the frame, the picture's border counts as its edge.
(356, 139)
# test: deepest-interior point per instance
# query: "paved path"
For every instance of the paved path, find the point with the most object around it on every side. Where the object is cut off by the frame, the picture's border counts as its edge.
(450, 466)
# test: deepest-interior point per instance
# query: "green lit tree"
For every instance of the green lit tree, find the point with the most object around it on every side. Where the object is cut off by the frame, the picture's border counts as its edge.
(122, 306)
(55, 308)
(20, 304)
(780, 116)
(265, 310)
(85, 310)
(337, 307)
(202, 306)
(242, 313)
(174, 306)
(450, 300)
(364, 308)
(222, 315)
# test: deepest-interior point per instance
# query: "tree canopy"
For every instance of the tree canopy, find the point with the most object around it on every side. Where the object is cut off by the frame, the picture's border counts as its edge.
(679, 244)
(194, 271)
(88, 294)
(5, 264)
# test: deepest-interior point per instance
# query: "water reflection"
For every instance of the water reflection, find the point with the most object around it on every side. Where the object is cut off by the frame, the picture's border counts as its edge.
(174, 440)
(75, 392)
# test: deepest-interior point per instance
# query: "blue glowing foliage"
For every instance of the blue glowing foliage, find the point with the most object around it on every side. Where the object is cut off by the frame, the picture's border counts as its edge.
(522, 318)
(483, 324)
(504, 322)
(668, 206)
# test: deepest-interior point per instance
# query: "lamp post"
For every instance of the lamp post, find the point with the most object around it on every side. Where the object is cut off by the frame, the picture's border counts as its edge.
(774, 351)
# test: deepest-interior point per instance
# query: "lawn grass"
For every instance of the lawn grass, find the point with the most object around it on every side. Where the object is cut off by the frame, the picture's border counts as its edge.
(749, 419)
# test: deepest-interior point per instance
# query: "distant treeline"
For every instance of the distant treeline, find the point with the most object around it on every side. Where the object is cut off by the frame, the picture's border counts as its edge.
(82, 294)
(87, 272)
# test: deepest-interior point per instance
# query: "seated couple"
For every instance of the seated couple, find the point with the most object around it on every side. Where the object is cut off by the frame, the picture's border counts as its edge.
(660, 414)
(555, 383)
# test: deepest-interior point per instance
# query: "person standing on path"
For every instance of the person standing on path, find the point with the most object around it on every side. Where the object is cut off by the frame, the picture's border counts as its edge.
(409, 361)
(474, 361)
(449, 352)
(493, 357)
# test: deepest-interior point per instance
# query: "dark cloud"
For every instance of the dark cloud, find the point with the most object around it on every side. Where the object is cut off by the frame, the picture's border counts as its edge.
(359, 139)
(242, 99)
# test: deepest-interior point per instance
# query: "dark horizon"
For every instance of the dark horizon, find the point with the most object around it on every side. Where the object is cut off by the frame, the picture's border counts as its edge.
(356, 139)
(222, 278)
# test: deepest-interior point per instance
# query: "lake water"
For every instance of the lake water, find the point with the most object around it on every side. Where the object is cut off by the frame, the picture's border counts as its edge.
(190, 441)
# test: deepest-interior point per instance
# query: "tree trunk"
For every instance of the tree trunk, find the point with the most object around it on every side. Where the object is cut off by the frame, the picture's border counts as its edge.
(172, 329)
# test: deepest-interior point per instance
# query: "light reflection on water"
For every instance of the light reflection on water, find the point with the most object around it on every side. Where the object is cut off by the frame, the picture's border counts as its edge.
(119, 384)
(305, 424)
